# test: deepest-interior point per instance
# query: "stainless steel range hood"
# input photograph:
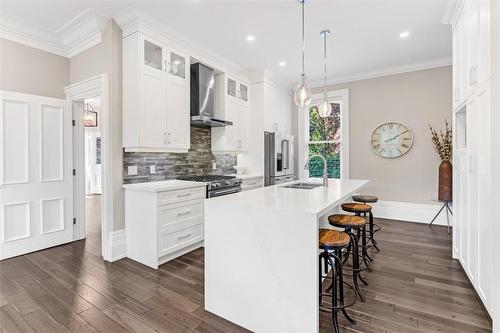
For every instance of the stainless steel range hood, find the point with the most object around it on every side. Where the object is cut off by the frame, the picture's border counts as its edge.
(203, 98)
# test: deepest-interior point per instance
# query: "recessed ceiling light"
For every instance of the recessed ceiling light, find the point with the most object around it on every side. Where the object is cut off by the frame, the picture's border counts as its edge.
(282, 63)
(250, 38)
(404, 34)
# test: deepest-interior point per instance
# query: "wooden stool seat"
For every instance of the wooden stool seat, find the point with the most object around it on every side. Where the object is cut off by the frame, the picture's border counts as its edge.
(364, 198)
(355, 207)
(343, 220)
(333, 238)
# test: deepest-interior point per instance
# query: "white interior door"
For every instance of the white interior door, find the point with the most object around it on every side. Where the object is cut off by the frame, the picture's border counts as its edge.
(36, 181)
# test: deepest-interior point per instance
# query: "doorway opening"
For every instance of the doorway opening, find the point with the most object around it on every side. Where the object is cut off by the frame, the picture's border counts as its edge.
(92, 186)
(93, 173)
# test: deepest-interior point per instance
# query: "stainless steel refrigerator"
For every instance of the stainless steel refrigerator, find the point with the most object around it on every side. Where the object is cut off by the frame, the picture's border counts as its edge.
(278, 158)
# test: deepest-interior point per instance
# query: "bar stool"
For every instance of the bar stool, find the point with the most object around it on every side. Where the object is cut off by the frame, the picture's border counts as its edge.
(358, 209)
(349, 223)
(332, 243)
(373, 228)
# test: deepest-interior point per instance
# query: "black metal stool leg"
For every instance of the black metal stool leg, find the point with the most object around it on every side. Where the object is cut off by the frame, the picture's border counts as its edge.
(372, 232)
(341, 286)
(364, 245)
(355, 265)
(320, 277)
(334, 295)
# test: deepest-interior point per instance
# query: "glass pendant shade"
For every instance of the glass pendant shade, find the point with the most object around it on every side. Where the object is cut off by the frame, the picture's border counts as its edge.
(302, 95)
(325, 109)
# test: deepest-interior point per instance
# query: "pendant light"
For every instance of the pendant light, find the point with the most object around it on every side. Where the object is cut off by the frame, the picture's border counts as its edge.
(325, 108)
(302, 95)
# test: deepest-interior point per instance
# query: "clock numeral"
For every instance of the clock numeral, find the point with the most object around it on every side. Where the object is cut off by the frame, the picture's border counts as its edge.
(376, 147)
(406, 139)
(404, 145)
(391, 125)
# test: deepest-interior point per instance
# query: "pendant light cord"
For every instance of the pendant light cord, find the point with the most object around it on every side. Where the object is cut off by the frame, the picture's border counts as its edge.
(324, 63)
(303, 39)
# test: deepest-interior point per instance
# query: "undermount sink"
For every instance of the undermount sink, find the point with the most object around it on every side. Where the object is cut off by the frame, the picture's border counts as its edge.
(305, 186)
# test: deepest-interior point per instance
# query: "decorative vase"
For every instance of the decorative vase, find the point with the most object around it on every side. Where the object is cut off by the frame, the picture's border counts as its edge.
(445, 181)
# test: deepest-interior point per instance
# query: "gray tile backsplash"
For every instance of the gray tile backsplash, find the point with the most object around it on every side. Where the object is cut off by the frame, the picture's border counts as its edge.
(197, 161)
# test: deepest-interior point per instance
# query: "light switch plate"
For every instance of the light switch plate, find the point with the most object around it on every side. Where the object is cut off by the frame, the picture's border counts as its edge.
(132, 170)
(214, 165)
(152, 169)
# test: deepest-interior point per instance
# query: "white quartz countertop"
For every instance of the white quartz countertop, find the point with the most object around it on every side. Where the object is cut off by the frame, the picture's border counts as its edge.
(316, 200)
(247, 176)
(166, 185)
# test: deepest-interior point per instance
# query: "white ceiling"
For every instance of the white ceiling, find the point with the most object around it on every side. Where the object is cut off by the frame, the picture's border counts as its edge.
(365, 34)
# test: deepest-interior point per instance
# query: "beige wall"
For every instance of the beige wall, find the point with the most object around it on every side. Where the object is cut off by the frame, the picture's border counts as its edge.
(106, 58)
(32, 71)
(414, 99)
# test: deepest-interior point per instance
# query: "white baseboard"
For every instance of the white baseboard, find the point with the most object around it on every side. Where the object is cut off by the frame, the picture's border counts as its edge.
(117, 245)
(412, 212)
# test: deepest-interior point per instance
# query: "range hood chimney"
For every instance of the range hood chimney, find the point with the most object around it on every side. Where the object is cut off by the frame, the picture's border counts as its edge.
(203, 97)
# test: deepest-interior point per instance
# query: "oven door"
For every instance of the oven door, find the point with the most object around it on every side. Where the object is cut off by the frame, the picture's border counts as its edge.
(223, 191)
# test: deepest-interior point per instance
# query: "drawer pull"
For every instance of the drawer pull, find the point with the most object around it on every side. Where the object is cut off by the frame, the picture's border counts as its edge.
(183, 195)
(184, 213)
(183, 237)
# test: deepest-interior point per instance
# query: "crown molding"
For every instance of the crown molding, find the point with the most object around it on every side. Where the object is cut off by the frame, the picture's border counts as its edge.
(270, 77)
(79, 34)
(23, 32)
(440, 62)
(83, 31)
(133, 20)
(452, 12)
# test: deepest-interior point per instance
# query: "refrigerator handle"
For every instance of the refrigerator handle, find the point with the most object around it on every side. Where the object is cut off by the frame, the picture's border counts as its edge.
(285, 150)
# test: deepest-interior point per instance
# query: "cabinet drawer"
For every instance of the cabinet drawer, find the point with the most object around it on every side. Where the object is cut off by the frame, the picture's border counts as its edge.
(252, 183)
(172, 213)
(172, 241)
(181, 195)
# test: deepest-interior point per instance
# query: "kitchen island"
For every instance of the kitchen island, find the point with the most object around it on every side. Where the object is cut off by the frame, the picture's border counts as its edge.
(261, 254)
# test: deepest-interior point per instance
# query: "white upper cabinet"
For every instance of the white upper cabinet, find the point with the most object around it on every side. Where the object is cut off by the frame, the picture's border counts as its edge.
(155, 96)
(231, 104)
(471, 50)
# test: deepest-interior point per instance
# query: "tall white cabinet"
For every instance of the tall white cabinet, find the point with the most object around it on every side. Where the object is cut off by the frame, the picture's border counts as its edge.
(156, 115)
(232, 104)
(472, 188)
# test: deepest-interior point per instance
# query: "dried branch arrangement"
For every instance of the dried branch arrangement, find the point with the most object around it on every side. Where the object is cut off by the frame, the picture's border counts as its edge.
(443, 142)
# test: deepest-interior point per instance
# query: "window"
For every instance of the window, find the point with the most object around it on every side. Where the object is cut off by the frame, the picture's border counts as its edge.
(327, 137)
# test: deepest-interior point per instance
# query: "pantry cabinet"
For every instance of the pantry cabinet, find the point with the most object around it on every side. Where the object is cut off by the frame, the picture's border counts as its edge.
(472, 155)
(155, 96)
(231, 104)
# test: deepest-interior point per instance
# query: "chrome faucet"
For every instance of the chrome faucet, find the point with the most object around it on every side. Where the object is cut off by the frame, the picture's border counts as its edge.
(325, 169)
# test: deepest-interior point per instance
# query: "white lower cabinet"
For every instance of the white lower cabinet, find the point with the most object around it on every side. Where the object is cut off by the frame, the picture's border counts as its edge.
(251, 183)
(163, 225)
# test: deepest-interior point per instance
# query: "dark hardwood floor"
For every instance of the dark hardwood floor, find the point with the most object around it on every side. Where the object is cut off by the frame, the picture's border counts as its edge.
(415, 287)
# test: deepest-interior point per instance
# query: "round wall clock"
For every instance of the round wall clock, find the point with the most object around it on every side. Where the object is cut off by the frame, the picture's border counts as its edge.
(391, 140)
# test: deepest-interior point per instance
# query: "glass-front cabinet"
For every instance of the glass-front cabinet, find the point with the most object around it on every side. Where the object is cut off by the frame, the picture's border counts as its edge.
(153, 55)
(243, 92)
(231, 87)
(177, 64)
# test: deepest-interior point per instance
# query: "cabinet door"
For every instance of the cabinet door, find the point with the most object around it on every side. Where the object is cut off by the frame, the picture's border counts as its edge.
(242, 118)
(231, 87)
(243, 92)
(153, 116)
(472, 33)
(178, 111)
(232, 135)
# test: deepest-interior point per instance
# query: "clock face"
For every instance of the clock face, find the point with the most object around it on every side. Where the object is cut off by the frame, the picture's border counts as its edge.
(391, 140)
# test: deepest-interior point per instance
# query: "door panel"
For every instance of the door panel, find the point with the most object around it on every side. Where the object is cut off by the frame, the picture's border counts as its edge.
(36, 197)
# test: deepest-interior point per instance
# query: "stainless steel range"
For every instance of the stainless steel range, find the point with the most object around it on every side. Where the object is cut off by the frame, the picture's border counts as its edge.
(217, 185)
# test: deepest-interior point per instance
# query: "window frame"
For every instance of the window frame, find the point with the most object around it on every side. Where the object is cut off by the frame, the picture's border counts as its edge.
(333, 96)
